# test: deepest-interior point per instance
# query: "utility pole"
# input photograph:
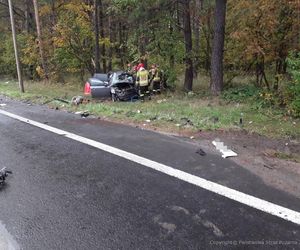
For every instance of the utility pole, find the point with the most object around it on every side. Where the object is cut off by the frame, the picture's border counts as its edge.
(13, 30)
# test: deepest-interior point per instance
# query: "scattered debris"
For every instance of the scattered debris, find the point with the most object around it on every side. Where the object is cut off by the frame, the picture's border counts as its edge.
(269, 167)
(192, 137)
(223, 149)
(76, 100)
(186, 122)
(3, 174)
(153, 118)
(200, 152)
(161, 101)
(83, 113)
(2, 104)
(250, 122)
(241, 119)
(61, 100)
(138, 111)
(191, 94)
(148, 120)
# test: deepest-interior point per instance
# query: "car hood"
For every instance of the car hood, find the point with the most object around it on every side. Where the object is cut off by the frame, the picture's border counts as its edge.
(121, 84)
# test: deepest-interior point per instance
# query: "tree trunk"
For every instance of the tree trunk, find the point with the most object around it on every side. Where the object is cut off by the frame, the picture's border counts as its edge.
(199, 5)
(218, 48)
(53, 16)
(188, 78)
(121, 44)
(101, 24)
(207, 33)
(96, 26)
(28, 17)
(40, 40)
(172, 57)
(111, 41)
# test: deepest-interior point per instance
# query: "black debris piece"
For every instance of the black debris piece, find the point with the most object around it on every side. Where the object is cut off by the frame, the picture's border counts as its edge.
(85, 114)
(200, 152)
(3, 174)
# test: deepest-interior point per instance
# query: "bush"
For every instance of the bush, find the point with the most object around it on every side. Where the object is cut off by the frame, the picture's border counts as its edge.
(240, 94)
(292, 92)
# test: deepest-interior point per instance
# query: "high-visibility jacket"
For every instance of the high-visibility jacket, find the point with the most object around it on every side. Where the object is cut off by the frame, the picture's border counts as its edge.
(156, 76)
(142, 77)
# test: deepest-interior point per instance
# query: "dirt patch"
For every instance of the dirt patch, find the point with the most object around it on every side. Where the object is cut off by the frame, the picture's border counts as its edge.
(262, 156)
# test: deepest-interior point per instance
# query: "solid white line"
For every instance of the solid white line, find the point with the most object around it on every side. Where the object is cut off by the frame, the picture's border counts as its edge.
(249, 200)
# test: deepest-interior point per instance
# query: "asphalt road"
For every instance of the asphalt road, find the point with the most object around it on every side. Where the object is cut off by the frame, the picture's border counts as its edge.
(64, 194)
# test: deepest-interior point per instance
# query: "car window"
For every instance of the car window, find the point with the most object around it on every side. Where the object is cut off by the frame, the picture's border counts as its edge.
(101, 77)
(123, 77)
(96, 82)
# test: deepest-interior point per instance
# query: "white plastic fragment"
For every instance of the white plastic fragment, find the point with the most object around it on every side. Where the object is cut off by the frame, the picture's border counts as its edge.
(2, 104)
(223, 149)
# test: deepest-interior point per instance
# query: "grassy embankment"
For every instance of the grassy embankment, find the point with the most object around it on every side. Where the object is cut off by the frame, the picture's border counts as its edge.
(170, 111)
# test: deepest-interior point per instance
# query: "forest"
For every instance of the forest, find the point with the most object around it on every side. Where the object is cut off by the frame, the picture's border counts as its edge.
(222, 39)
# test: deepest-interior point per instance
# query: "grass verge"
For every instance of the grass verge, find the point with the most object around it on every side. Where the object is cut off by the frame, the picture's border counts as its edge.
(170, 112)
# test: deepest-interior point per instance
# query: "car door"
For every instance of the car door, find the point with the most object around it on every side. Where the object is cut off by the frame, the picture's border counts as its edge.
(99, 89)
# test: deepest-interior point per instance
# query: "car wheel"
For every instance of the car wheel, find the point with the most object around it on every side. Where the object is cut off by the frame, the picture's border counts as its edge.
(114, 98)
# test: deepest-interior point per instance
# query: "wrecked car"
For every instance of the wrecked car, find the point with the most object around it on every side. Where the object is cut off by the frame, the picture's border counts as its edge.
(97, 86)
(119, 86)
(122, 87)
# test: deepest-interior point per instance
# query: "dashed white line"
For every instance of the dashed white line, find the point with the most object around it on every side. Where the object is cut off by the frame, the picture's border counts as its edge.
(249, 200)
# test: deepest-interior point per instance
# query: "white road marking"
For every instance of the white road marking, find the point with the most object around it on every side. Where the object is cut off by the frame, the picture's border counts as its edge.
(249, 200)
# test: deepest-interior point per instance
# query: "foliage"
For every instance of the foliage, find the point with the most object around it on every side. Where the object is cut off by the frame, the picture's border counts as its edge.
(262, 33)
(292, 92)
(241, 93)
(259, 36)
(7, 60)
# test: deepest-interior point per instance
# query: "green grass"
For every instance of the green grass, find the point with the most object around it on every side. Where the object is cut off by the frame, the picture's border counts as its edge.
(167, 111)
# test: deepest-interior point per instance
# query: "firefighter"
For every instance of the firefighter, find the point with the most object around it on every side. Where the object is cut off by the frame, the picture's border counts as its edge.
(156, 78)
(151, 76)
(129, 69)
(143, 82)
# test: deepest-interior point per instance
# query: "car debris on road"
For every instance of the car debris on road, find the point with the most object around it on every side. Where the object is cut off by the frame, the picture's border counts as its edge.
(3, 174)
(83, 114)
(223, 149)
(201, 152)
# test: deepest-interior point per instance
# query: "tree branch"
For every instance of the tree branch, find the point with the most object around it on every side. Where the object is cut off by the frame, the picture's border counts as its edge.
(15, 9)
